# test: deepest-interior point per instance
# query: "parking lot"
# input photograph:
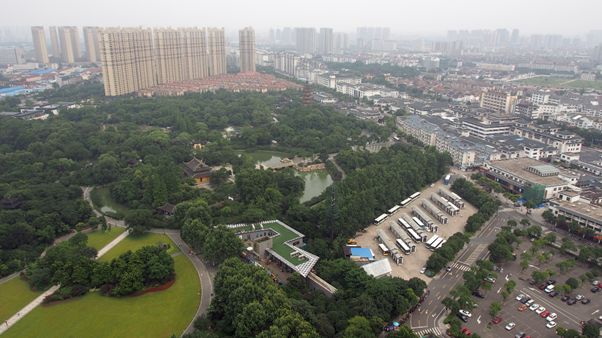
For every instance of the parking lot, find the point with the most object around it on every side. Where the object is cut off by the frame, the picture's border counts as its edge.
(414, 262)
(528, 321)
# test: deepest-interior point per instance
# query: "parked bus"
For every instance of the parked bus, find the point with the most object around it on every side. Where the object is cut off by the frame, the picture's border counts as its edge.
(403, 223)
(418, 221)
(403, 246)
(395, 208)
(405, 202)
(431, 241)
(436, 243)
(383, 249)
(441, 244)
(380, 218)
(414, 235)
(414, 195)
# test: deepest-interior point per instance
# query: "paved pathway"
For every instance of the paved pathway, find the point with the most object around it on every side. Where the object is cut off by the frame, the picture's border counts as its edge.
(206, 274)
(36, 302)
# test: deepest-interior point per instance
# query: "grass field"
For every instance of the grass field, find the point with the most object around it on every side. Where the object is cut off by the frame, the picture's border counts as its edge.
(134, 243)
(157, 314)
(14, 295)
(562, 82)
(98, 238)
(101, 197)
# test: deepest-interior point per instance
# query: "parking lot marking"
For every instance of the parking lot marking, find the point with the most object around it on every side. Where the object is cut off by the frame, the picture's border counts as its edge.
(434, 331)
(498, 291)
(479, 319)
(593, 313)
(542, 301)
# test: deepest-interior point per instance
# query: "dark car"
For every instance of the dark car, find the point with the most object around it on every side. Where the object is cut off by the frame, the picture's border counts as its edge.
(463, 317)
(595, 289)
(565, 298)
(525, 300)
(496, 320)
(478, 294)
(553, 293)
(542, 286)
(585, 301)
(571, 301)
(389, 328)
(532, 282)
(551, 281)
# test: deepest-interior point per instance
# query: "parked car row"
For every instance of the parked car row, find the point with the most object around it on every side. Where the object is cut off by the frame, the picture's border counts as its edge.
(528, 303)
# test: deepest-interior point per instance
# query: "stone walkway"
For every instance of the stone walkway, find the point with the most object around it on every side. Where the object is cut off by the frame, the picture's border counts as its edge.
(36, 302)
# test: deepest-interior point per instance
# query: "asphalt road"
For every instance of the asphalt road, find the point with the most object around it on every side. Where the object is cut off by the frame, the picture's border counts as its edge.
(429, 317)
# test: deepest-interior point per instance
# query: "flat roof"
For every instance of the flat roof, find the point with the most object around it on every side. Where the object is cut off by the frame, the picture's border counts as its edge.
(378, 268)
(281, 246)
(518, 166)
(592, 212)
(362, 252)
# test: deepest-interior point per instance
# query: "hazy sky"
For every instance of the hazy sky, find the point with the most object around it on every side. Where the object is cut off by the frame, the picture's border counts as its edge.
(568, 17)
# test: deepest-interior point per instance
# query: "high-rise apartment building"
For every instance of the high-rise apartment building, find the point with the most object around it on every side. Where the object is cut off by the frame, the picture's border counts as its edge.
(194, 65)
(305, 40)
(326, 45)
(341, 43)
(92, 44)
(216, 46)
(12, 56)
(126, 55)
(246, 41)
(39, 44)
(55, 46)
(168, 55)
(70, 46)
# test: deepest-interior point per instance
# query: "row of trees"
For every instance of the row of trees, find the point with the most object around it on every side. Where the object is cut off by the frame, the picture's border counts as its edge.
(485, 203)
(440, 258)
(72, 264)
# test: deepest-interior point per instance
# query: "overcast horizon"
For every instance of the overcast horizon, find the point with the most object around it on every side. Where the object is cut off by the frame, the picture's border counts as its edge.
(428, 17)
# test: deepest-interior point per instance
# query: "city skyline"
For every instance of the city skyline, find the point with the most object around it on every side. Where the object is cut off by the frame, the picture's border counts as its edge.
(426, 17)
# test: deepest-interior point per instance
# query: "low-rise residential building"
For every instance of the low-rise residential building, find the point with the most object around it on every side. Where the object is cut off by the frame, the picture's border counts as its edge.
(575, 208)
(565, 142)
(498, 101)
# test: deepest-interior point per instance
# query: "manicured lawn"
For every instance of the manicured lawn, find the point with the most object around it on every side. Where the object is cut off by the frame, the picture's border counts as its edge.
(14, 295)
(101, 197)
(562, 82)
(134, 243)
(98, 238)
(156, 314)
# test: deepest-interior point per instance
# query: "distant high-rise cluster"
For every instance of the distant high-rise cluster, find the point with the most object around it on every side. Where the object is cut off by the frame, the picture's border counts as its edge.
(137, 58)
(247, 49)
(70, 44)
(65, 44)
(372, 38)
(39, 44)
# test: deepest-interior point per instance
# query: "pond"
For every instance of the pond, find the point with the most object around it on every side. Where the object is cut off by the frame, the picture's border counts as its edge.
(315, 182)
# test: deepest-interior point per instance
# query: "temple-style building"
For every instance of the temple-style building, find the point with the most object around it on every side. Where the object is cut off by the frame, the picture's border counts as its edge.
(198, 170)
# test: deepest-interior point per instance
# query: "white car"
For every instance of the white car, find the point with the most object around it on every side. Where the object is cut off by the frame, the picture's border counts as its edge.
(520, 297)
(551, 317)
(529, 302)
(465, 313)
(551, 324)
(579, 297)
(422, 270)
(534, 307)
(510, 326)
(540, 310)
(595, 283)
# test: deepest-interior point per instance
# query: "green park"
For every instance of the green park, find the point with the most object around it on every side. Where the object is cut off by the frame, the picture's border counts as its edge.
(94, 315)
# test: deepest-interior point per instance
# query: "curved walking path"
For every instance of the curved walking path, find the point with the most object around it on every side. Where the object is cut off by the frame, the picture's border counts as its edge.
(206, 275)
(40, 299)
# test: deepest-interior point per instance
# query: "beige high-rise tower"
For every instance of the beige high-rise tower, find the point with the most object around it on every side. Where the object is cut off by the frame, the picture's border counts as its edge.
(168, 55)
(216, 46)
(127, 60)
(194, 65)
(39, 44)
(180, 54)
(54, 42)
(70, 47)
(246, 42)
(92, 44)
